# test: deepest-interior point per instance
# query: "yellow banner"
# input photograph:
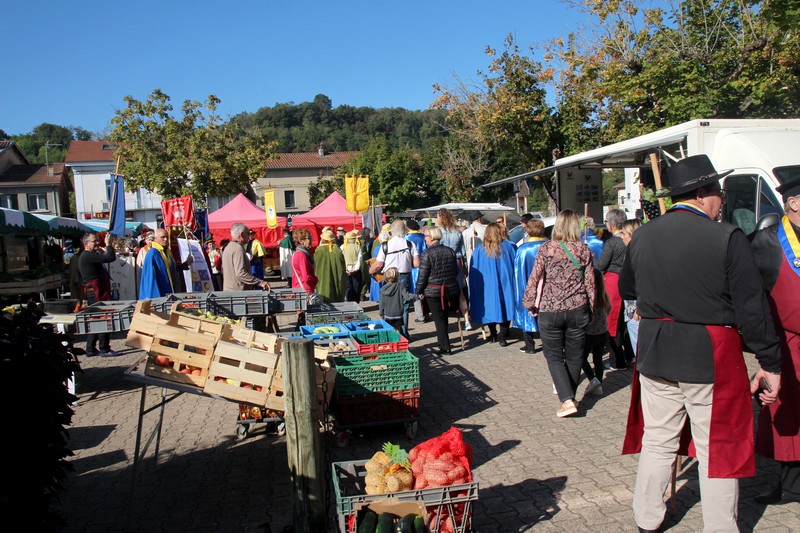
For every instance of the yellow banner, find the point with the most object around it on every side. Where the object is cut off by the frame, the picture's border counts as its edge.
(269, 208)
(356, 190)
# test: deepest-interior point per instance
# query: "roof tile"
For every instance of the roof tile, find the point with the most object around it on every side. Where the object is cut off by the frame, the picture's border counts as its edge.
(310, 160)
(90, 151)
(33, 175)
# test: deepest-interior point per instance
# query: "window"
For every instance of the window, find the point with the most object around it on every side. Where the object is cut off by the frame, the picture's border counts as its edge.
(37, 202)
(741, 208)
(288, 199)
(9, 201)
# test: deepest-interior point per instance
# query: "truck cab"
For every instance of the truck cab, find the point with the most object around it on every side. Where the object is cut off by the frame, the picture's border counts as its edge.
(762, 159)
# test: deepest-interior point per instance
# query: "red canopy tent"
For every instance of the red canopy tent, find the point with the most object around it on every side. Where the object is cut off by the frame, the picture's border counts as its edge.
(332, 212)
(240, 209)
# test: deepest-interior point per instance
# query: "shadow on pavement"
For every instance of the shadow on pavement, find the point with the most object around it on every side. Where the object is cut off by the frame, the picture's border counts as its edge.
(518, 507)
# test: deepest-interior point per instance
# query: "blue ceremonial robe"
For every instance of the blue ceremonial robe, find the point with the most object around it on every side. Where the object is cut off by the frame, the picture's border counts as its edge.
(594, 242)
(374, 286)
(419, 240)
(523, 266)
(491, 285)
(155, 279)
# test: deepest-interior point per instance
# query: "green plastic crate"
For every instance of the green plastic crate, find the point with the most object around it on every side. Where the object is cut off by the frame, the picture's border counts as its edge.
(373, 372)
(379, 341)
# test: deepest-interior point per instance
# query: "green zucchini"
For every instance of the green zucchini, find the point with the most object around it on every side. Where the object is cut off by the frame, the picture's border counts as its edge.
(419, 524)
(369, 521)
(405, 524)
(385, 523)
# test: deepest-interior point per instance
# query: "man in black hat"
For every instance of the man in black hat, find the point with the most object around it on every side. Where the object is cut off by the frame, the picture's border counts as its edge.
(340, 233)
(777, 254)
(697, 288)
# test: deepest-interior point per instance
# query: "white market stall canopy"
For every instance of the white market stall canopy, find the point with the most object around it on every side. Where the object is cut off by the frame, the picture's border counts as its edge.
(468, 210)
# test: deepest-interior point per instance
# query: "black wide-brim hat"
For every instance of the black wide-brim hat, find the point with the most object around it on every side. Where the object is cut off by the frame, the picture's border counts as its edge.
(689, 174)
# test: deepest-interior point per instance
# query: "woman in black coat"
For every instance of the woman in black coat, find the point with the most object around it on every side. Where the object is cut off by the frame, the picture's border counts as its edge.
(438, 283)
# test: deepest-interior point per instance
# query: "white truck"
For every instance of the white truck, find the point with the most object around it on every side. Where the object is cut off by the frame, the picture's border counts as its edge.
(762, 152)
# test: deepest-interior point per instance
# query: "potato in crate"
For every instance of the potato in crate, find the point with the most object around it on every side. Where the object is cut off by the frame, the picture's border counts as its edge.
(180, 355)
(190, 300)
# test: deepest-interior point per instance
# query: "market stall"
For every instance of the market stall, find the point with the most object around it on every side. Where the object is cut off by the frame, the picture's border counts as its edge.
(22, 269)
(240, 209)
(332, 211)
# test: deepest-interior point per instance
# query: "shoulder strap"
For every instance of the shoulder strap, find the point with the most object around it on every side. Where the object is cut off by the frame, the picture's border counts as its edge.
(385, 248)
(572, 258)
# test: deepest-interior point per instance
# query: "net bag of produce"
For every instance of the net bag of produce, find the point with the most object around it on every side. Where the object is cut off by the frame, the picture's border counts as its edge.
(439, 462)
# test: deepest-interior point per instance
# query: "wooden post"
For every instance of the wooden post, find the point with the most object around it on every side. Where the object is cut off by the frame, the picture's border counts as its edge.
(303, 443)
(657, 179)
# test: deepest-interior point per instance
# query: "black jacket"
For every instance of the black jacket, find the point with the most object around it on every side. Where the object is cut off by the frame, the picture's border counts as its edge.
(437, 266)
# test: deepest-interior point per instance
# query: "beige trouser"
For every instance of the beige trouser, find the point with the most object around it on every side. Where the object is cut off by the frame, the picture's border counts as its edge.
(665, 405)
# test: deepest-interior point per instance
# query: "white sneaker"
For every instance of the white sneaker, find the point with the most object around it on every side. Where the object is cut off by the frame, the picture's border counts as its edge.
(594, 387)
(554, 389)
(467, 325)
(567, 408)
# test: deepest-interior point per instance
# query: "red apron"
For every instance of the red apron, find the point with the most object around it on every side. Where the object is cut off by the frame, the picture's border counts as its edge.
(611, 280)
(779, 423)
(730, 446)
(98, 289)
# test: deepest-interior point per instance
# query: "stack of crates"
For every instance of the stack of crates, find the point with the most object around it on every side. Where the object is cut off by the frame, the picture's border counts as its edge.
(380, 384)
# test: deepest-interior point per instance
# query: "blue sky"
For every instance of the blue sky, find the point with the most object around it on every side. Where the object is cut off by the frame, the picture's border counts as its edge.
(71, 63)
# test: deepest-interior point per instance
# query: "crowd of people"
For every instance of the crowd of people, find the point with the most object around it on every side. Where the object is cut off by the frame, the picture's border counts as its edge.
(676, 299)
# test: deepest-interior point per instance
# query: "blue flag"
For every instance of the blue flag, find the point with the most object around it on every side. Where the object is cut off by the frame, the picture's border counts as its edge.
(116, 219)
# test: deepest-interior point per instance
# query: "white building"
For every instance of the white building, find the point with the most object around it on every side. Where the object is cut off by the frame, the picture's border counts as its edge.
(92, 163)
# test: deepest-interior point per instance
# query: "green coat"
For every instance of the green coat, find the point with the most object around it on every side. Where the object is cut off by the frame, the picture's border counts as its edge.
(330, 270)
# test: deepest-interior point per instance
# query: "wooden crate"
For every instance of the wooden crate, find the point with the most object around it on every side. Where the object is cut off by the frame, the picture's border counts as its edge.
(276, 400)
(194, 324)
(143, 325)
(241, 368)
(249, 337)
(183, 349)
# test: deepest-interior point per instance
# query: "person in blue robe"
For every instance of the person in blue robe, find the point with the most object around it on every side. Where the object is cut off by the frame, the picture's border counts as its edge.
(523, 266)
(415, 235)
(160, 271)
(491, 283)
(588, 236)
(375, 286)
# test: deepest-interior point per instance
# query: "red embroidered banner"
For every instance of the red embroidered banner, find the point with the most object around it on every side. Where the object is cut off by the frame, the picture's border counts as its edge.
(178, 212)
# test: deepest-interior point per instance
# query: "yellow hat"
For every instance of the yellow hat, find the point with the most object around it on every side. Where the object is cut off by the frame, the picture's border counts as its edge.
(386, 228)
(352, 234)
(327, 235)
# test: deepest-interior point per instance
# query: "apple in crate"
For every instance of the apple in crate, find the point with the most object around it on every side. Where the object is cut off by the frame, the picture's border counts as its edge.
(162, 360)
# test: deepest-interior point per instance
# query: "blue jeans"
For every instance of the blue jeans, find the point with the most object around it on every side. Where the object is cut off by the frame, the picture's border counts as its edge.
(405, 279)
(563, 334)
(633, 333)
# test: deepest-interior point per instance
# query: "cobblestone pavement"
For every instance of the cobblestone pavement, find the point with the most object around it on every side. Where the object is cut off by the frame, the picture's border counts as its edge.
(536, 472)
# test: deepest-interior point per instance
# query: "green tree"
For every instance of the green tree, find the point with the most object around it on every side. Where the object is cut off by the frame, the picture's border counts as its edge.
(194, 153)
(398, 178)
(655, 64)
(500, 126)
(324, 186)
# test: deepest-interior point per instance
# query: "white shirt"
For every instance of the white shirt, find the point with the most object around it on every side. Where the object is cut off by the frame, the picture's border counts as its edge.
(398, 256)
(476, 230)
